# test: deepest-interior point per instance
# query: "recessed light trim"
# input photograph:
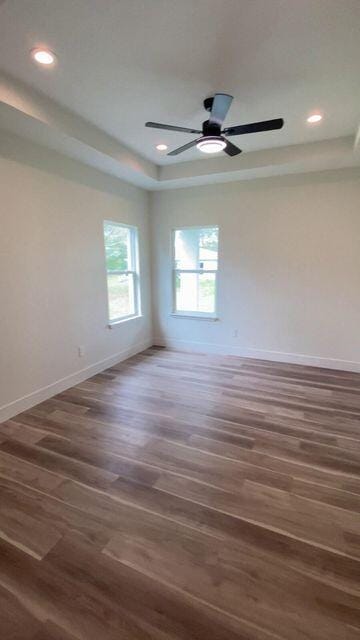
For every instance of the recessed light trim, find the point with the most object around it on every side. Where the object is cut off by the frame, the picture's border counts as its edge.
(315, 117)
(43, 56)
(211, 144)
(161, 147)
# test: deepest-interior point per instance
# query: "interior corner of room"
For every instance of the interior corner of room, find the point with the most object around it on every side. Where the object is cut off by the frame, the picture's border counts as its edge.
(287, 274)
(179, 320)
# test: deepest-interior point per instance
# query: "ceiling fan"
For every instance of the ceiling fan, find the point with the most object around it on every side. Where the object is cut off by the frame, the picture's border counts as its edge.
(212, 139)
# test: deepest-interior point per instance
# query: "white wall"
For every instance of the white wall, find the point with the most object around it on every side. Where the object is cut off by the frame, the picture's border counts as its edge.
(52, 272)
(289, 276)
(289, 269)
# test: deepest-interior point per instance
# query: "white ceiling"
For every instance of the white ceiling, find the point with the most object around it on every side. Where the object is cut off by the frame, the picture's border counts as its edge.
(121, 63)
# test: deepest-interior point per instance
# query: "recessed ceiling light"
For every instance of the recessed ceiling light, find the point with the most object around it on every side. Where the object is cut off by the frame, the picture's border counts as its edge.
(161, 147)
(316, 117)
(43, 56)
(211, 144)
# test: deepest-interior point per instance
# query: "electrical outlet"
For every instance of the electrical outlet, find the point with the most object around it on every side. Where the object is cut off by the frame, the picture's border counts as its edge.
(236, 333)
(81, 351)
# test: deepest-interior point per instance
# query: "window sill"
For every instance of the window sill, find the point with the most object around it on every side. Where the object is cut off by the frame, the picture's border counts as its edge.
(188, 316)
(116, 323)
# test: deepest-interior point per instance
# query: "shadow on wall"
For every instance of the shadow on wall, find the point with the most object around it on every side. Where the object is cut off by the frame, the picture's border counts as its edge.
(19, 149)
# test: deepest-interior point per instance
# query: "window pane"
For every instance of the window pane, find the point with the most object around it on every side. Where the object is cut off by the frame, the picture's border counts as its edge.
(117, 247)
(121, 295)
(196, 248)
(195, 292)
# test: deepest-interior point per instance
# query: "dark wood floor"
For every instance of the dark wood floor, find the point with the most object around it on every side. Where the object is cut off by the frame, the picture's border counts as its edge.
(182, 496)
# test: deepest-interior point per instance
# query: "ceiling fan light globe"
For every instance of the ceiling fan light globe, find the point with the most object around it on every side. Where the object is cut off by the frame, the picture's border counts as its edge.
(211, 144)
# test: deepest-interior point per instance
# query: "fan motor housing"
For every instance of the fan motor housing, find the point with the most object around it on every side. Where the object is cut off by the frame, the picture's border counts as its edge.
(211, 129)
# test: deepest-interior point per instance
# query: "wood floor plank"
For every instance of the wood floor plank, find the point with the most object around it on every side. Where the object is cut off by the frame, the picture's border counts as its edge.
(91, 597)
(319, 493)
(138, 397)
(204, 382)
(182, 496)
(176, 614)
(13, 468)
(207, 568)
(12, 429)
(211, 469)
(19, 521)
(188, 506)
(60, 465)
(34, 520)
(16, 622)
(51, 631)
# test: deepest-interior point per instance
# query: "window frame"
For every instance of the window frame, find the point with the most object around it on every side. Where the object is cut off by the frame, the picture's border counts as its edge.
(201, 315)
(134, 271)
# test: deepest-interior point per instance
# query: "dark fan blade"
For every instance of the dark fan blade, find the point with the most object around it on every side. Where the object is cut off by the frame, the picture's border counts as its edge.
(170, 127)
(219, 109)
(254, 127)
(231, 149)
(185, 147)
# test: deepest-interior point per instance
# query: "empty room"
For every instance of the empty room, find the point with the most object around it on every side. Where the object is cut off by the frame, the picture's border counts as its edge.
(179, 320)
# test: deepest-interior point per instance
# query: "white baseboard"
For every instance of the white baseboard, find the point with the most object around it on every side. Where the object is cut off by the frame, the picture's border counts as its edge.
(260, 354)
(11, 409)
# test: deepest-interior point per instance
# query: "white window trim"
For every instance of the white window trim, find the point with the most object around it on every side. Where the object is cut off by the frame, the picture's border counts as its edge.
(134, 272)
(184, 313)
(116, 323)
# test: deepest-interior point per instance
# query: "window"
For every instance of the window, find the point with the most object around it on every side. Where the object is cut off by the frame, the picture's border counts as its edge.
(121, 251)
(195, 256)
